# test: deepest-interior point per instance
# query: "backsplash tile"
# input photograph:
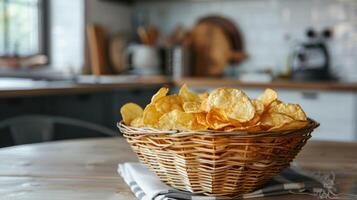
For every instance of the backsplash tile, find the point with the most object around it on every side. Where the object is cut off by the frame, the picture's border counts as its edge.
(266, 24)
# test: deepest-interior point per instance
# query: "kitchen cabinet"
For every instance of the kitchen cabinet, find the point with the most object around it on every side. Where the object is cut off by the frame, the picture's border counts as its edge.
(335, 111)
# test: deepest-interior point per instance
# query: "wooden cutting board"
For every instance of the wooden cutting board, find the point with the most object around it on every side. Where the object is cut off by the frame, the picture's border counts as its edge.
(98, 50)
(214, 43)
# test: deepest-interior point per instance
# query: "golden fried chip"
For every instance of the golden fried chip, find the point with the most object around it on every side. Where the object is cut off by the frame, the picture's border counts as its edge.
(232, 102)
(177, 120)
(275, 120)
(192, 107)
(294, 125)
(130, 111)
(258, 106)
(268, 96)
(168, 103)
(151, 116)
(137, 122)
(187, 95)
(216, 119)
(292, 110)
(201, 119)
(273, 104)
(159, 94)
(224, 109)
(203, 96)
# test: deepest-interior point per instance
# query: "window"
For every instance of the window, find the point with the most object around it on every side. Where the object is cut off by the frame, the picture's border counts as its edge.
(22, 28)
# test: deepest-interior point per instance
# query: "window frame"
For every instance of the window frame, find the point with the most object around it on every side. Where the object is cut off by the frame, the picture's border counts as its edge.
(43, 29)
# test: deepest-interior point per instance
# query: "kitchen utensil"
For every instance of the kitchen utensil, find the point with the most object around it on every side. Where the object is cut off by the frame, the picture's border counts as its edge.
(143, 35)
(97, 50)
(149, 35)
(180, 58)
(215, 42)
(145, 59)
(117, 53)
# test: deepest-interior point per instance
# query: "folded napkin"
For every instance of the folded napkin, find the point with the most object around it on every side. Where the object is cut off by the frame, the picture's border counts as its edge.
(146, 185)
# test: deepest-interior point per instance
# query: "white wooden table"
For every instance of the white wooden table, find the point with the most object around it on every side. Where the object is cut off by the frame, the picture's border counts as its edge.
(86, 169)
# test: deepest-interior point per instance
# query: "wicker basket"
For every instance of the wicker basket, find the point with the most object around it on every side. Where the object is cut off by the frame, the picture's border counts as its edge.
(216, 163)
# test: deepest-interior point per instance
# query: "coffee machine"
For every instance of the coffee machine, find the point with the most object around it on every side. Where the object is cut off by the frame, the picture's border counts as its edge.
(311, 59)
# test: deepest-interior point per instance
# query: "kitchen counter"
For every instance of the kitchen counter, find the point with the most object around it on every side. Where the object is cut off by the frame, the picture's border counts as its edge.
(22, 88)
(87, 169)
(277, 84)
(10, 87)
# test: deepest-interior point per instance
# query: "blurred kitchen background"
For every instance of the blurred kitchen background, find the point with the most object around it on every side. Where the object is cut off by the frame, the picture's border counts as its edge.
(67, 66)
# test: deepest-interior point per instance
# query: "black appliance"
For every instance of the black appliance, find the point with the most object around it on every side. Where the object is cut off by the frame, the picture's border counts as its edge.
(311, 59)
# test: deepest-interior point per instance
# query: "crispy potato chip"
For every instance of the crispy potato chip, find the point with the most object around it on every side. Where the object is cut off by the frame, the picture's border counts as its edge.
(151, 116)
(268, 96)
(275, 120)
(130, 111)
(168, 103)
(159, 94)
(273, 104)
(137, 122)
(292, 110)
(188, 96)
(224, 109)
(290, 126)
(258, 106)
(203, 96)
(216, 119)
(177, 120)
(233, 102)
(201, 119)
(192, 107)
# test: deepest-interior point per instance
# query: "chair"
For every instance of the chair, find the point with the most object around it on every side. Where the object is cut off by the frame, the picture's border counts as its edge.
(39, 128)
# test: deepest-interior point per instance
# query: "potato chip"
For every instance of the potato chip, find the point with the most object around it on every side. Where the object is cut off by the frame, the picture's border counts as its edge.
(177, 120)
(203, 96)
(290, 126)
(192, 107)
(130, 111)
(159, 94)
(137, 122)
(201, 118)
(188, 96)
(168, 103)
(275, 120)
(268, 96)
(216, 119)
(273, 104)
(233, 102)
(292, 110)
(224, 109)
(258, 106)
(151, 116)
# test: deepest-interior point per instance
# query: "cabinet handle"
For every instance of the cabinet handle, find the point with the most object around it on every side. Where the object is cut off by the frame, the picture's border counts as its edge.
(310, 95)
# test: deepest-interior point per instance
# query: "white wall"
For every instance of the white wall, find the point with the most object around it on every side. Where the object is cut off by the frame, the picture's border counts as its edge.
(66, 35)
(67, 29)
(265, 24)
(113, 16)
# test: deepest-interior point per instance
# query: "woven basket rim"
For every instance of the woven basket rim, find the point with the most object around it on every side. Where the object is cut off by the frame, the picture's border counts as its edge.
(179, 133)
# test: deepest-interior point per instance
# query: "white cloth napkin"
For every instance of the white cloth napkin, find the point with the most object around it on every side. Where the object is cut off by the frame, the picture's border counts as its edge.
(144, 183)
(147, 186)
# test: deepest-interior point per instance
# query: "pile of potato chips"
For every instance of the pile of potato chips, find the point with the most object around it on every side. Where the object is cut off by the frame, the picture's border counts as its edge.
(224, 109)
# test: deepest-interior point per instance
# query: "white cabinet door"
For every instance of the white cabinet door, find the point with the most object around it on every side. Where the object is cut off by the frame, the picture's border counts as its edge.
(335, 111)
